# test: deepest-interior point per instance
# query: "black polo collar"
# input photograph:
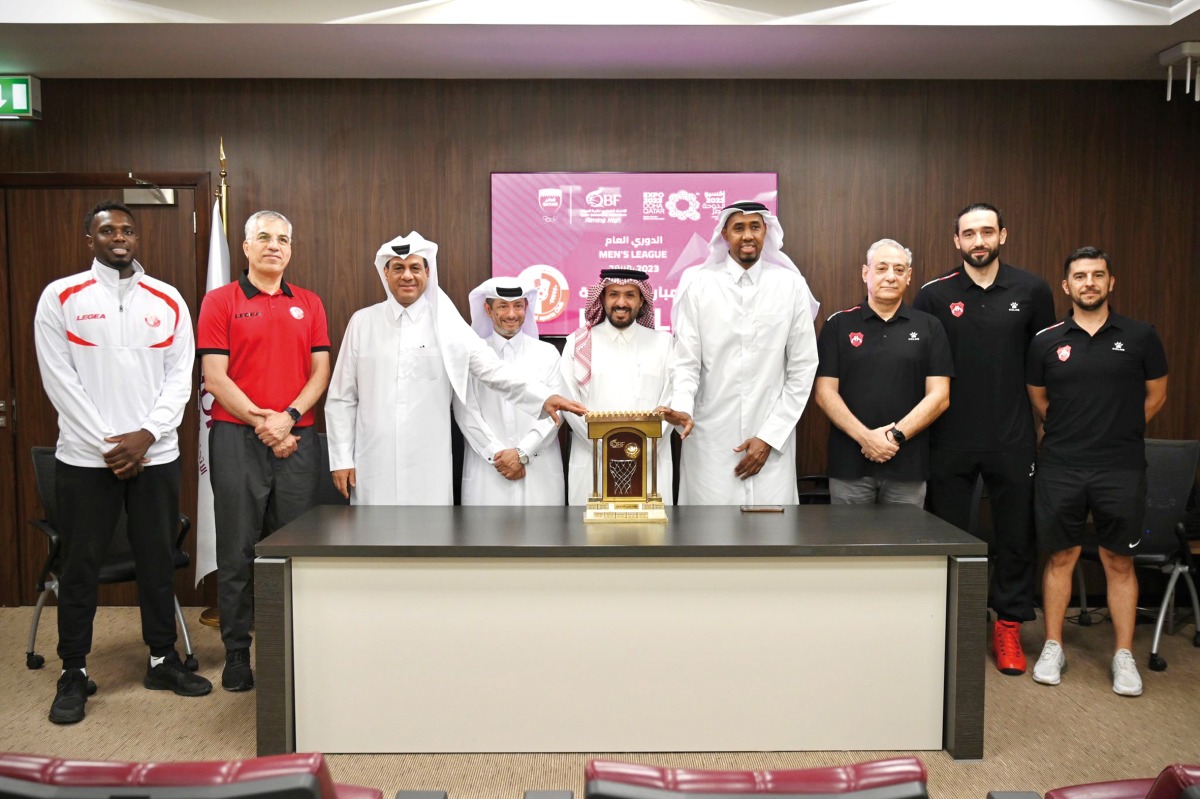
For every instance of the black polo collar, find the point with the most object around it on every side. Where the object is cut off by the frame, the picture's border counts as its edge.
(1114, 320)
(1003, 277)
(249, 289)
(867, 311)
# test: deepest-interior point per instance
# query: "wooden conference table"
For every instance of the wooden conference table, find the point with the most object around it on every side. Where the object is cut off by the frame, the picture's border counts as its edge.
(460, 629)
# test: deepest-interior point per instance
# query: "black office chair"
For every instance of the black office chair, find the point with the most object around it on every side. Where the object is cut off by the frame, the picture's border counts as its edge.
(1170, 478)
(327, 493)
(813, 489)
(118, 566)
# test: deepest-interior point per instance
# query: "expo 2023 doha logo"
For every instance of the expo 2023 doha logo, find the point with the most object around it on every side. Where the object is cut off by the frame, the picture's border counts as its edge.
(552, 288)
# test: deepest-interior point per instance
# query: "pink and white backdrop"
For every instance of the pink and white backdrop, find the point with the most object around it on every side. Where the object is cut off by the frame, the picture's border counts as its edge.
(561, 228)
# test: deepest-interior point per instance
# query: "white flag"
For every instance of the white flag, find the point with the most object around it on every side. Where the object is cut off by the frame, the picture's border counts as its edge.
(206, 529)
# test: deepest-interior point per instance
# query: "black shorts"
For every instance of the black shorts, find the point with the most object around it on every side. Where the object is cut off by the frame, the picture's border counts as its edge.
(1063, 498)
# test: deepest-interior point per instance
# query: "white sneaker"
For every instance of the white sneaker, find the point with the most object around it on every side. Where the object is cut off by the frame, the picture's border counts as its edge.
(1126, 680)
(1050, 665)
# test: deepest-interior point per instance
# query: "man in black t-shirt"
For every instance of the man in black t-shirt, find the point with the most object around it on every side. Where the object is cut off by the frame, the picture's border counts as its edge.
(883, 377)
(991, 311)
(1096, 379)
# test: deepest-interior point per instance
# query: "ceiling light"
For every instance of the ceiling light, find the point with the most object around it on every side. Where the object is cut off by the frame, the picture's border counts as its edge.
(1184, 51)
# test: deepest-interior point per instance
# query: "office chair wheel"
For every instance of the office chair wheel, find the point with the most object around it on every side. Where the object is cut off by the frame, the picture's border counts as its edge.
(191, 664)
(1085, 620)
(1157, 663)
(1196, 639)
(35, 661)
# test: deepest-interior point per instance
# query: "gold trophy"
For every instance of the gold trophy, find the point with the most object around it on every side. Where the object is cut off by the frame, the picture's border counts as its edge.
(624, 468)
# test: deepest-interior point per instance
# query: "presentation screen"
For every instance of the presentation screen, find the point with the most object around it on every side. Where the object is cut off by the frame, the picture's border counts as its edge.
(559, 229)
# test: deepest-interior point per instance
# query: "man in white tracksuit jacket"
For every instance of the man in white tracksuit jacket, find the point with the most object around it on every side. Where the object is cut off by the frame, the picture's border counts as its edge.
(116, 352)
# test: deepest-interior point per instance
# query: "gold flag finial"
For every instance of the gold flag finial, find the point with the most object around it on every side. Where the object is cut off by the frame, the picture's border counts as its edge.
(223, 190)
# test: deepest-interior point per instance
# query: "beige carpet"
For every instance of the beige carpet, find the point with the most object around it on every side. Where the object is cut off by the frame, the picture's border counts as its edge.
(1037, 737)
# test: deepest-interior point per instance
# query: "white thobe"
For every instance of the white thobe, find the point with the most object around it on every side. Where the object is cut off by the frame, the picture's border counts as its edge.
(745, 357)
(490, 424)
(629, 373)
(388, 408)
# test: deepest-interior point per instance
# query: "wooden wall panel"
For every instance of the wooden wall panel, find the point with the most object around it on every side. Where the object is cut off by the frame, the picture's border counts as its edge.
(354, 163)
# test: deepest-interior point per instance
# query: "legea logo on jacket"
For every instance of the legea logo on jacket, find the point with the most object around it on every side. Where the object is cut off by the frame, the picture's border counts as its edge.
(87, 317)
(152, 320)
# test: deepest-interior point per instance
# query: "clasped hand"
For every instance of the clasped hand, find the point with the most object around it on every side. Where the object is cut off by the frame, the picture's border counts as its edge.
(508, 463)
(128, 458)
(275, 431)
(877, 447)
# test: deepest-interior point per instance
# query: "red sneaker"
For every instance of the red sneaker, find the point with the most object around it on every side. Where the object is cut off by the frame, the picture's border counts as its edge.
(1006, 644)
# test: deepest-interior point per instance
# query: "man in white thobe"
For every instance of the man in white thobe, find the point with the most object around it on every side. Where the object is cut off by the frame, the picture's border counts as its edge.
(618, 362)
(744, 361)
(388, 408)
(511, 457)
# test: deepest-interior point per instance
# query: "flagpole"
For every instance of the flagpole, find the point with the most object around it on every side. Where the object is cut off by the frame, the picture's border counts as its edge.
(211, 617)
(223, 192)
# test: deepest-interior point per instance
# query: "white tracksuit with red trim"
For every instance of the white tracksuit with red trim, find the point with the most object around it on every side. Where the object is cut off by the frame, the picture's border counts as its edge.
(113, 364)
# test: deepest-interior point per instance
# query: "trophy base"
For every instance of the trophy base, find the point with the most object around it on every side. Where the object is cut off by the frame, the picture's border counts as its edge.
(652, 511)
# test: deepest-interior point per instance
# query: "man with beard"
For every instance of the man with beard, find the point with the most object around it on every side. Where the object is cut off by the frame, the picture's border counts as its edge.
(745, 357)
(1095, 379)
(115, 349)
(512, 456)
(617, 362)
(884, 376)
(991, 312)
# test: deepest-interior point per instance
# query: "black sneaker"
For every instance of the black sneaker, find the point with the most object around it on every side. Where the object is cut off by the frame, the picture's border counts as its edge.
(70, 697)
(237, 675)
(172, 675)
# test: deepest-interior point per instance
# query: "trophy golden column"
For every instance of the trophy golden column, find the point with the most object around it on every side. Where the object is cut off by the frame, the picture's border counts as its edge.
(624, 468)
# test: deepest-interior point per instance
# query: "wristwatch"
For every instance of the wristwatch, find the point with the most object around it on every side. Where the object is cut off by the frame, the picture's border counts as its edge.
(295, 414)
(897, 436)
(522, 457)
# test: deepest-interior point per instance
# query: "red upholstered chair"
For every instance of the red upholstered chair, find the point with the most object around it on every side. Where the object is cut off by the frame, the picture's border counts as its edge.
(1170, 784)
(300, 776)
(897, 778)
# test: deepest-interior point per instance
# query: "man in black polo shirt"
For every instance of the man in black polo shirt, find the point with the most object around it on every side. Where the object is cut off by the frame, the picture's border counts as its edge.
(991, 311)
(1096, 379)
(883, 377)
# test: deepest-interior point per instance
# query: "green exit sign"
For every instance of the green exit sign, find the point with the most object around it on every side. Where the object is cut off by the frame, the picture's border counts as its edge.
(20, 97)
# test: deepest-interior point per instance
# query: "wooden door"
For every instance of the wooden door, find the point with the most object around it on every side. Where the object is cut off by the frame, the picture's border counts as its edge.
(42, 239)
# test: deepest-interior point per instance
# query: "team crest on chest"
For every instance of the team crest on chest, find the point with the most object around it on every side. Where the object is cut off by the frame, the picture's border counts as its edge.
(297, 313)
(856, 339)
(152, 320)
(957, 308)
(1064, 352)
(1119, 346)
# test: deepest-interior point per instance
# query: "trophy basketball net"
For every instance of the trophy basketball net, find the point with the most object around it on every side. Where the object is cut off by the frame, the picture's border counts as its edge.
(624, 468)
